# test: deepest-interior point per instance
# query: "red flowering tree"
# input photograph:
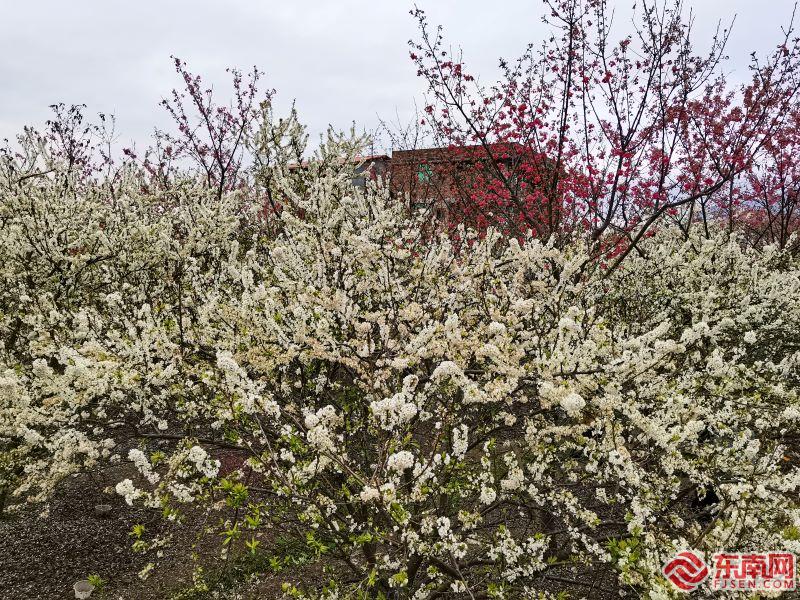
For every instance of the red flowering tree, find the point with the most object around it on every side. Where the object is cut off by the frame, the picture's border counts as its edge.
(765, 202)
(591, 134)
(212, 136)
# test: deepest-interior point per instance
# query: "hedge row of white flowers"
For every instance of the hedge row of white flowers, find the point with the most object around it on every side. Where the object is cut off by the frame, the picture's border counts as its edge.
(478, 423)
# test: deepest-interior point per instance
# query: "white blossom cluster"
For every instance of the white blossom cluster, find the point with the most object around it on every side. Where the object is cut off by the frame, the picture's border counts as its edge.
(440, 420)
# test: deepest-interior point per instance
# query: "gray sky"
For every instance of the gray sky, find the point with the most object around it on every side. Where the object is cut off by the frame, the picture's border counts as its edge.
(342, 60)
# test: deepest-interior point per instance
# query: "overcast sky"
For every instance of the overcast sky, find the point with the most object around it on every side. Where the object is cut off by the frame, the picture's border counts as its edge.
(342, 60)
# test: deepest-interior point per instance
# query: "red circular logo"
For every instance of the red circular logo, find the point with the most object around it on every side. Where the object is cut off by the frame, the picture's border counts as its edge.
(686, 571)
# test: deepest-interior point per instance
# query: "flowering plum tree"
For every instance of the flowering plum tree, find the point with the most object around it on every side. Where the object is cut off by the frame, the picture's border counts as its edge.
(763, 202)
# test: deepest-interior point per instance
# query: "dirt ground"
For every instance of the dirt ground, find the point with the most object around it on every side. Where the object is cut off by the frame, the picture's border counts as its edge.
(45, 555)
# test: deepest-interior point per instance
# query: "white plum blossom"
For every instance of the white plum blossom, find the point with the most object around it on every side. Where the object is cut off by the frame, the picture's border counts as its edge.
(488, 494)
(445, 370)
(143, 465)
(394, 411)
(126, 489)
(369, 494)
(400, 461)
(460, 441)
(202, 462)
(573, 403)
(791, 413)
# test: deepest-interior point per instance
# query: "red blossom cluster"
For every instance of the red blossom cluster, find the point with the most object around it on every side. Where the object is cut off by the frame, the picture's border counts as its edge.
(591, 135)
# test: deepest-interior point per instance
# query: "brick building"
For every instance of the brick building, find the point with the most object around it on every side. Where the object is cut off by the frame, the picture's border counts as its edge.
(438, 175)
(437, 178)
